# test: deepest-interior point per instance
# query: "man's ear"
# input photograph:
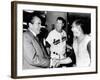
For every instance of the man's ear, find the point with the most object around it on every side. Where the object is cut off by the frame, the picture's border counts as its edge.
(63, 24)
(30, 25)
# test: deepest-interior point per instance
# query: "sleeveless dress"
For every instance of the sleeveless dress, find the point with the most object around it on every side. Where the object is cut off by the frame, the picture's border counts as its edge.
(81, 52)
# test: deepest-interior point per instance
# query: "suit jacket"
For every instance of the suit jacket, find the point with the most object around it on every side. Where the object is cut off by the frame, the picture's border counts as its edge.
(34, 56)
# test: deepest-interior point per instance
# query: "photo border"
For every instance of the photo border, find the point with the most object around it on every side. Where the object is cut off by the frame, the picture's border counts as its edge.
(14, 37)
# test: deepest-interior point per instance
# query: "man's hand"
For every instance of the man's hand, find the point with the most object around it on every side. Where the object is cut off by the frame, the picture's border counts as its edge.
(55, 63)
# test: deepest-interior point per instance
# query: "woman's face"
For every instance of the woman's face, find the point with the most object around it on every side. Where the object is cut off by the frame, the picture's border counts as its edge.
(76, 29)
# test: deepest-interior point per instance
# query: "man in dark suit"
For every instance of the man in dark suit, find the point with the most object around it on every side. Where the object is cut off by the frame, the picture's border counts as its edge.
(34, 54)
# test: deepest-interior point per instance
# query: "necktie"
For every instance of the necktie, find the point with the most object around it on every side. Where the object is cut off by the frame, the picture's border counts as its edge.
(42, 48)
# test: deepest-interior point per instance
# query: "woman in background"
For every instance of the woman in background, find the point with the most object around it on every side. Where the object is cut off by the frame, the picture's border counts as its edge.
(81, 43)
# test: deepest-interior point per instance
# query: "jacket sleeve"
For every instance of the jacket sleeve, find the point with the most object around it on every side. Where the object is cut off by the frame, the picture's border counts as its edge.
(30, 54)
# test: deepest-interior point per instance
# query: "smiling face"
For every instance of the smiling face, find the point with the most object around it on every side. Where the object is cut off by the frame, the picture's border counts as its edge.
(59, 25)
(76, 29)
(36, 24)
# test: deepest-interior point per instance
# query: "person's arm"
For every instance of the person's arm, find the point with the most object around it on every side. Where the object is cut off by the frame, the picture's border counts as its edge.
(49, 41)
(30, 54)
(63, 61)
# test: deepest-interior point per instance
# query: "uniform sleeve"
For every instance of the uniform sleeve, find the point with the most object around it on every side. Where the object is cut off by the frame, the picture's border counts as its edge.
(49, 38)
(30, 54)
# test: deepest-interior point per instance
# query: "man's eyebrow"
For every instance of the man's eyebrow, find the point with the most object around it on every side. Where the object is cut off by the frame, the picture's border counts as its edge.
(39, 22)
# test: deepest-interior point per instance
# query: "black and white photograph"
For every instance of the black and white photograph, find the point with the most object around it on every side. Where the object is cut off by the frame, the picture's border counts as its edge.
(53, 39)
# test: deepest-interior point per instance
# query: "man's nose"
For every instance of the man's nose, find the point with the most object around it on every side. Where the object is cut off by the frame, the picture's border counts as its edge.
(72, 29)
(42, 26)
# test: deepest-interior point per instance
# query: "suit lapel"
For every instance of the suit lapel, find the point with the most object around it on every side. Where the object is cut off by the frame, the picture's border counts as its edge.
(40, 46)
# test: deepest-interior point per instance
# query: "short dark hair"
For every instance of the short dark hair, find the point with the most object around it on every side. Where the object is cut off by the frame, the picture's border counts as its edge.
(84, 24)
(61, 18)
(34, 16)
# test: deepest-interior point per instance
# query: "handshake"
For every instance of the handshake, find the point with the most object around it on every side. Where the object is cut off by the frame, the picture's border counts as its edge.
(54, 63)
